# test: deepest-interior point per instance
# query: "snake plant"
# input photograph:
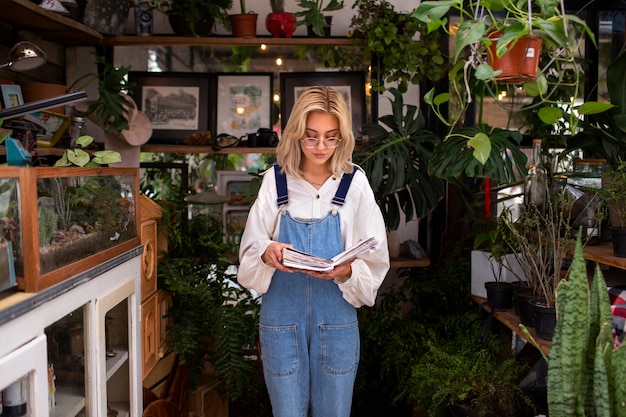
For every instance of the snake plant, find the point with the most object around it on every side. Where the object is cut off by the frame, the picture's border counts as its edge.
(585, 371)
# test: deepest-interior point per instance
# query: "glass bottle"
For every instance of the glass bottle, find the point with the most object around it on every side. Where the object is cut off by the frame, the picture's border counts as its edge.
(536, 182)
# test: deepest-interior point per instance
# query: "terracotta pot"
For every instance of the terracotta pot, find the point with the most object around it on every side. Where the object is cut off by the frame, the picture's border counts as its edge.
(281, 24)
(519, 63)
(244, 25)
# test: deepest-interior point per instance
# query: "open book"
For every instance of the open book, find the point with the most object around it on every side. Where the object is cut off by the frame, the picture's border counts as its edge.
(293, 258)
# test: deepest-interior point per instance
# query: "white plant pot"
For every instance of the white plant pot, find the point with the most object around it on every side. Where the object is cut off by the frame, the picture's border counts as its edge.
(482, 271)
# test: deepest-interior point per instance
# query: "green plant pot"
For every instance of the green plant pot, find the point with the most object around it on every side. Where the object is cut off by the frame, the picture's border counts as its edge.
(311, 34)
(202, 25)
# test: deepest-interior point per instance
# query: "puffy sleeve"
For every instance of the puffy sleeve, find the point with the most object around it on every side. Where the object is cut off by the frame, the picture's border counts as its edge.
(362, 219)
(261, 229)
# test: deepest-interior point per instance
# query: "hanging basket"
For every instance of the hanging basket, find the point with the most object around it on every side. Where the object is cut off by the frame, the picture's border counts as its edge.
(519, 64)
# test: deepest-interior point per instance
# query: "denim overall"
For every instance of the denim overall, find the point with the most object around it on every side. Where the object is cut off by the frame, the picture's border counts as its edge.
(309, 334)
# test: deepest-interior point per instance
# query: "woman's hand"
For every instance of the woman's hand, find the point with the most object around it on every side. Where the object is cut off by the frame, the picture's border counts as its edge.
(341, 273)
(273, 256)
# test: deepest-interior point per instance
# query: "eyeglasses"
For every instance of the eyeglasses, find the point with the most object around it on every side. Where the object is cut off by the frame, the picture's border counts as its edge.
(311, 143)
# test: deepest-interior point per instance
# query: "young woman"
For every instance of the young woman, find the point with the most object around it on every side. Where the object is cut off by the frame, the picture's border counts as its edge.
(317, 201)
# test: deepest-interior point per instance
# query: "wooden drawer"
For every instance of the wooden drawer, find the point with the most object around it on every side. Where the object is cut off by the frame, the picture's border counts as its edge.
(149, 258)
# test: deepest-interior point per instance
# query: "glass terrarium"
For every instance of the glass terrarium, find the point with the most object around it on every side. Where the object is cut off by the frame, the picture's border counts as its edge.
(10, 237)
(74, 219)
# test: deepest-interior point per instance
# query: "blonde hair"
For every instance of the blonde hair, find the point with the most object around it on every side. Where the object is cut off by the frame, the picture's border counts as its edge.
(316, 99)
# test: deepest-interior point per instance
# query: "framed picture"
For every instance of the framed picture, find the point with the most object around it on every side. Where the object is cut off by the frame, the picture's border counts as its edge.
(234, 184)
(350, 84)
(51, 126)
(235, 219)
(243, 103)
(177, 104)
(11, 95)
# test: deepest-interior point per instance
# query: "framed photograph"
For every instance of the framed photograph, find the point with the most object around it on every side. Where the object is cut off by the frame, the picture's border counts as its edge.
(235, 219)
(177, 104)
(351, 84)
(11, 95)
(51, 126)
(243, 103)
(234, 184)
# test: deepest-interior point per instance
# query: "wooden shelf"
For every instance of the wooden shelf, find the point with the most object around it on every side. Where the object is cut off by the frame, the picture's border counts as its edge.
(167, 40)
(603, 254)
(26, 15)
(512, 321)
(163, 148)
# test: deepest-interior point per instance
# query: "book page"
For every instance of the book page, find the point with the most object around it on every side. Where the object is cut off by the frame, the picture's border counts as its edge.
(293, 258)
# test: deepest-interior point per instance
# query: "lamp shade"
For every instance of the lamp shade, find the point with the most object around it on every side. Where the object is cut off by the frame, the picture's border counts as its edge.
(25, 56)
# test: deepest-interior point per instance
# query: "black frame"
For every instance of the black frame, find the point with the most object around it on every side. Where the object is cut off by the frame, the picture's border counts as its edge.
(355, 80)
(192, 84)
(221, 101)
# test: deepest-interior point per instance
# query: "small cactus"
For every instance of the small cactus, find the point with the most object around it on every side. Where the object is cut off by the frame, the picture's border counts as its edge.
(277, 5)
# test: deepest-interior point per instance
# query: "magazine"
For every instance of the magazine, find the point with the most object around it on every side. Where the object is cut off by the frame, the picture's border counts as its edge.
(293, 258)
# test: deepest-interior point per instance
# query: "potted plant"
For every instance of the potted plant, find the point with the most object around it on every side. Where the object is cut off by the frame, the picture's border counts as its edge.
(279, 22)
(585, 368)
(111, 107)
(476, 150)
(194, 17)
(313, 15)
(388, 40)
(244, 23)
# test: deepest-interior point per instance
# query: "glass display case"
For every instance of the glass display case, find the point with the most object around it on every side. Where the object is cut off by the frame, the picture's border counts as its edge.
(73, 350)
(62, 221)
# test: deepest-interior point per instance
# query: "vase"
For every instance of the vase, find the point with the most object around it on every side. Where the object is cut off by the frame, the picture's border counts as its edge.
(618, 238)
(519, 63)
(521, 297)
(281, 24)
(499, 295)
(544, 318)
(244, 25)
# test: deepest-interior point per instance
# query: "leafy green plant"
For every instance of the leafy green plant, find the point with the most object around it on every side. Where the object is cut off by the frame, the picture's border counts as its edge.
(213, 318)
(112, 105)
(603, 133)
(313, 13)
(388, 40)
(473, 78)
(395, 158)
(77, 157)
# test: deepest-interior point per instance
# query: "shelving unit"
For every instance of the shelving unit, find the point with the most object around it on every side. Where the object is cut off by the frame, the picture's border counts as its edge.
(26, 15)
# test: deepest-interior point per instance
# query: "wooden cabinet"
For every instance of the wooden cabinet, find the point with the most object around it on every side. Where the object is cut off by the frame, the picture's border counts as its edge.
(86, 328)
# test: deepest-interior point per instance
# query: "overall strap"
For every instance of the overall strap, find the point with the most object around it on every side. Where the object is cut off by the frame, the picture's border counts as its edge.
(340, 196)
(281, 186)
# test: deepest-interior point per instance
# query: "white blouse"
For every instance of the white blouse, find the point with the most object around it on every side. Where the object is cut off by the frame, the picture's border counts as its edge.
(360, 218)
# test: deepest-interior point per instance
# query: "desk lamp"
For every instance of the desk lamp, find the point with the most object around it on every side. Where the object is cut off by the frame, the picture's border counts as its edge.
(25, 56)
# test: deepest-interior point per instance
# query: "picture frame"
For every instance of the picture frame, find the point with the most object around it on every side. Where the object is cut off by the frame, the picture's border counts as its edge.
(154, 94)
(232, 184)
(235, 219)
(243, 103)
(351, 84)
(11, 95)
(51, 126)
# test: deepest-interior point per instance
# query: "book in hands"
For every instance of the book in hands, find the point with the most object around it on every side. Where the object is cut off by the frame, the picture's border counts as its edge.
(293, 258)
